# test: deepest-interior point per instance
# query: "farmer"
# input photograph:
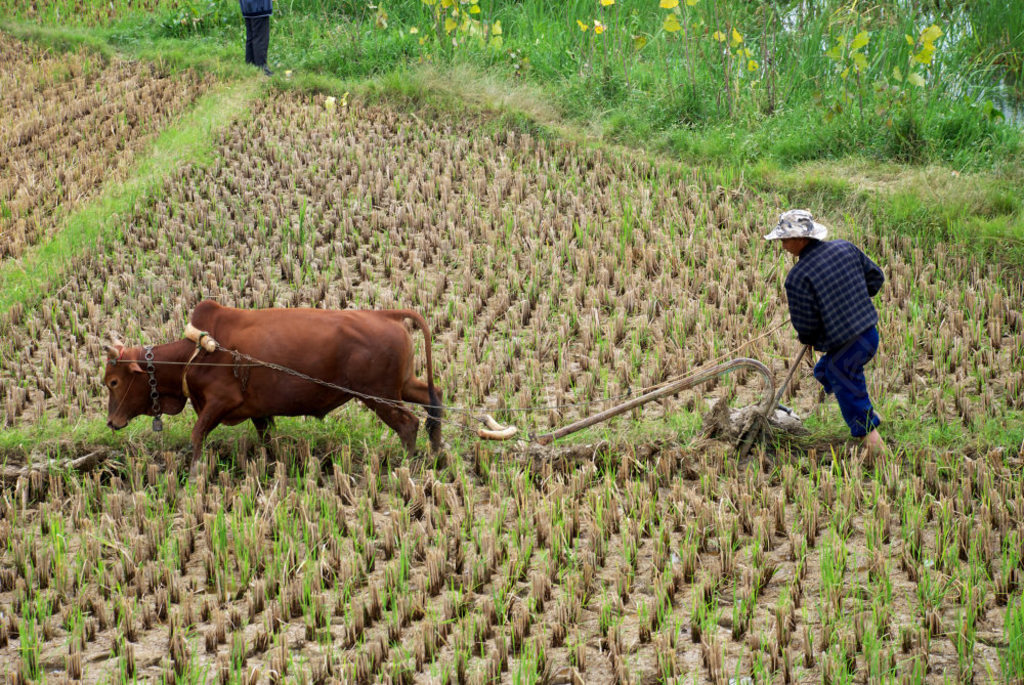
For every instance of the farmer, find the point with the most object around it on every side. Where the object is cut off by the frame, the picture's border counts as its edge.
(257, 31)
(829, 292)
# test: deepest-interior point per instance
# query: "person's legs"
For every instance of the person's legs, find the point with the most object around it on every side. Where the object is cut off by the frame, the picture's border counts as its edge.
(261, 40)
(248, 40)
(821, 373)
(845, 373)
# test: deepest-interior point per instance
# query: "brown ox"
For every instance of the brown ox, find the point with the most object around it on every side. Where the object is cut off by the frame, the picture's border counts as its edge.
(368, 352)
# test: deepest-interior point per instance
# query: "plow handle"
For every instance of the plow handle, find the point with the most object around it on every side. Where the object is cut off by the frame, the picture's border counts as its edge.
(670, 389)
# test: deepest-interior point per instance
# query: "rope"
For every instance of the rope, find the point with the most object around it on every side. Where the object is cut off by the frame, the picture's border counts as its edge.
(409, 406)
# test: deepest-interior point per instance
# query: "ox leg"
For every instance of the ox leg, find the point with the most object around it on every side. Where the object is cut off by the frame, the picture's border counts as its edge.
(206, 422)
(263, 426)
(417, 391)
(401, 420)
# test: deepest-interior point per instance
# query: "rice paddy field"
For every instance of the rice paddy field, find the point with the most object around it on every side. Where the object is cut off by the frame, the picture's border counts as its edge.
(557, 276)
(68, 124)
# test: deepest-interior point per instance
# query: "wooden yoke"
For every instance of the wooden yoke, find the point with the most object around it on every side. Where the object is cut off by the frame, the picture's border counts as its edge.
(200, 338)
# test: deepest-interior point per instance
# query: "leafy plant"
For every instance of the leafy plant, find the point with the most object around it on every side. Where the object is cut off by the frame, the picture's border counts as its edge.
(198, 18)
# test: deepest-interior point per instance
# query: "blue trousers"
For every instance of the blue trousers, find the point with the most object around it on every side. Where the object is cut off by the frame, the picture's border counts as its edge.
(842, 372)
(257, 40)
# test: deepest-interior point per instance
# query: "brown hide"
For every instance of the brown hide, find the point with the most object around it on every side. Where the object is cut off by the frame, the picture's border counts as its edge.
(369, 352)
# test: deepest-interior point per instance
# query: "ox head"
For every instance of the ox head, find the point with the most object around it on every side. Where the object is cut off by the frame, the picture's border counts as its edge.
(128, 385)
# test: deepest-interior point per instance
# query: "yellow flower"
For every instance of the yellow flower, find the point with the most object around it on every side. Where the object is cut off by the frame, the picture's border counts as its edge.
(598, 27)
(751, 65)
(583, 27)
(931, 34)
(719, 36)
(496, 29)
(691, 3)
(737, 38)
(605, 3)
(414, 30)
(450, 24)
(474, 9)
(671, 24)
(926, 54)
(668, 4)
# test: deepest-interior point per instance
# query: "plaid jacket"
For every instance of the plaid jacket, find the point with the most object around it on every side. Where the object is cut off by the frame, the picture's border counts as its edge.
(830, 291)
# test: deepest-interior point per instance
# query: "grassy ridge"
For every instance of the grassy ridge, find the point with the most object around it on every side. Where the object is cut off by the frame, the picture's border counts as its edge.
(191, 138)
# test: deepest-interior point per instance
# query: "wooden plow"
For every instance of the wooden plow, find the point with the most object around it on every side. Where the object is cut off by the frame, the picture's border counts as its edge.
(750, 433)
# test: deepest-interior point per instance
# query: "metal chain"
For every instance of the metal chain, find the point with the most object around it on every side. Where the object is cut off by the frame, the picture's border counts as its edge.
(154, 394)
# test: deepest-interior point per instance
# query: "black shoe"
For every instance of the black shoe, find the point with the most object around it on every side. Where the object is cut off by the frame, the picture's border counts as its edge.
(267, 71)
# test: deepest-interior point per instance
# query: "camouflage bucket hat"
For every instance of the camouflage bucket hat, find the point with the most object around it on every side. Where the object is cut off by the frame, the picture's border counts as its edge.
(797, 223)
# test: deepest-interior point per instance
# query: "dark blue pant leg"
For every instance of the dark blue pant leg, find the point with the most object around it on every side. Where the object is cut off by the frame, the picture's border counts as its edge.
(248, 41)
(257, 40)
(843, 374)
(260, 40)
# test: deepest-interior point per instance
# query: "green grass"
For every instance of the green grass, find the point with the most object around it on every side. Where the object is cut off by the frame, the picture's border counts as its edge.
(190, 138)
(980, 213)
(681, 92)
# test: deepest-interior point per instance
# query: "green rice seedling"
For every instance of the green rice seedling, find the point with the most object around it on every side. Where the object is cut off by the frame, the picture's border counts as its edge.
(912, 528)
(606, 616)
(836, 666)
(743, 605)
(1011, 657)
(931, 592)
(703, 614)
(964, 640)
(833, 565)
(29, 644)
(1009, 560)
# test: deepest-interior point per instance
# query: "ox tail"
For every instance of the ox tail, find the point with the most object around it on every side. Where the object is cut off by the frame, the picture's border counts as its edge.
(435, 410)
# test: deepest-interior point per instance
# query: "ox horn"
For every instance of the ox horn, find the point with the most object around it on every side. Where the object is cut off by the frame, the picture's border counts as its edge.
(494, 430)
(115, 348)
